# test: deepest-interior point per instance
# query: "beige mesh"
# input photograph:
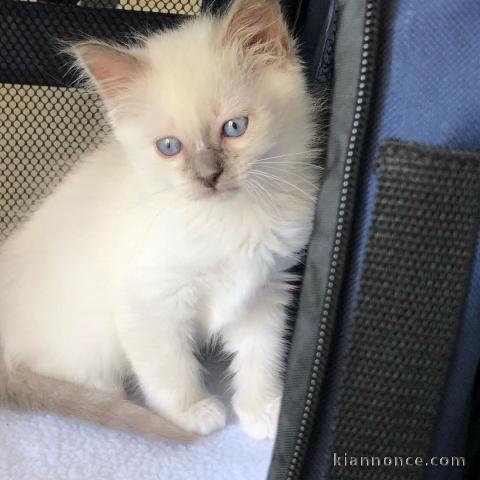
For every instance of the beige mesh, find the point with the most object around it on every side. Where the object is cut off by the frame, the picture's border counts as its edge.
(186, 7)
(183, 7)
(44, 130)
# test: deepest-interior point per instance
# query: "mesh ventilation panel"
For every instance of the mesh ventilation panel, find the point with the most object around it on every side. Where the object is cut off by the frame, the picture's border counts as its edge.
(43, 131)
(46, 124)
(181, 7)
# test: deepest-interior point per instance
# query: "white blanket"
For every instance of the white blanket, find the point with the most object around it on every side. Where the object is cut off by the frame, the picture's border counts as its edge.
(46, 447)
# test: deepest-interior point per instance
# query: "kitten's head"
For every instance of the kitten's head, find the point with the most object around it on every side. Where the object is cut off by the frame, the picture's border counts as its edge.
(204, 108)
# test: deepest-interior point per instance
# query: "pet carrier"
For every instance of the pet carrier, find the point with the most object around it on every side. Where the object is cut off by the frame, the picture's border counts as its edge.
(382, 377)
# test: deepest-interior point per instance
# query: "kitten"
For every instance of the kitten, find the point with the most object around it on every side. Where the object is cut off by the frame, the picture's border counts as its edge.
(177, 232)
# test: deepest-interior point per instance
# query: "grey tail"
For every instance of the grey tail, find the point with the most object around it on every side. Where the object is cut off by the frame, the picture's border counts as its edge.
(26, 390)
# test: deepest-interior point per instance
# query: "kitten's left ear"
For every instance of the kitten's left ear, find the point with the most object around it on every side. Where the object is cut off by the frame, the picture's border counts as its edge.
(259, 28)
(111, 69)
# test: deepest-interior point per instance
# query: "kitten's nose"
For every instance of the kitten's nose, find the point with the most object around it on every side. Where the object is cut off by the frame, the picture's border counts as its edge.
(211, 180)
(208, 167)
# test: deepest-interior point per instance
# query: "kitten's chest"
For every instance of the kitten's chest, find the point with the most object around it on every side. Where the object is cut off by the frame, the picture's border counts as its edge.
(228, 289)
(222, 265)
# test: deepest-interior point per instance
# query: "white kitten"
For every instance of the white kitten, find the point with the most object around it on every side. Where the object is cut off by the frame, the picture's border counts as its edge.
(179, 230)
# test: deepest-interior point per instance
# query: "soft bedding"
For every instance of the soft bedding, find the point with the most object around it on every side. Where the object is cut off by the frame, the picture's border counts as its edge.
(46, 447)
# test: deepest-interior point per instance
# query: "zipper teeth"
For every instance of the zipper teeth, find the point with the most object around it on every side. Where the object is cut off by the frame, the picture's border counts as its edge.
(344, 213)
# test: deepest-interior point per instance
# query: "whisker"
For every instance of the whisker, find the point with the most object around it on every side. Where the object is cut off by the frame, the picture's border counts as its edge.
(311, 152)
(306, 180)
(268, 197)
(254, 190)
(278, 179)
(286, 164)
(298, 175)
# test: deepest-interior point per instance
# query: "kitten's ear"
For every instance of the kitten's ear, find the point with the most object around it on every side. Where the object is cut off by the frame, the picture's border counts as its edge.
(259, 28)
(111, 69)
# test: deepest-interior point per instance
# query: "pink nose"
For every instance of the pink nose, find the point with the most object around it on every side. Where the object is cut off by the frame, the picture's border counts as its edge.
(208, 167)
(211, 180)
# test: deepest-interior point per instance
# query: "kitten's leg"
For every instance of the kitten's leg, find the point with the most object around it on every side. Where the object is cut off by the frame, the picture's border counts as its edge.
(160, 350)
(257, 343)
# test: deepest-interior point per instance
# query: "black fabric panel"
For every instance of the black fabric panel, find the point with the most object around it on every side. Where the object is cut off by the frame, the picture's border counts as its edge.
(30, 32)
(411, 299)
(317, 32)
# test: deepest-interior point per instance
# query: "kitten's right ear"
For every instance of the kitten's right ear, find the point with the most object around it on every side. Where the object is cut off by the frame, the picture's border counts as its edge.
(258, 27)
(111, 69)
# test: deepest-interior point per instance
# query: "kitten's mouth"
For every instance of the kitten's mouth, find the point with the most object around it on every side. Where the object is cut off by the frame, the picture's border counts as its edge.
(218, 191)
(223, 191)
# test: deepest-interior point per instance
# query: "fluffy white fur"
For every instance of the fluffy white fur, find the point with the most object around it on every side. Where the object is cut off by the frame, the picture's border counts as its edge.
(132, 263)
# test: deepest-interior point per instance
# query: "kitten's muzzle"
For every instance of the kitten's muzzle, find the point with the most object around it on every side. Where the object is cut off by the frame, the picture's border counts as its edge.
(208, 167)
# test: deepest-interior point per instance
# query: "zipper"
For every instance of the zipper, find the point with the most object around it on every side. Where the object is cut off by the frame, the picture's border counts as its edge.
(345, 212)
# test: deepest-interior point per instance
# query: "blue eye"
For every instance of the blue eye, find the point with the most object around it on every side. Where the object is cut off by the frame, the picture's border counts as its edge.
(235, 127)
(169, 146)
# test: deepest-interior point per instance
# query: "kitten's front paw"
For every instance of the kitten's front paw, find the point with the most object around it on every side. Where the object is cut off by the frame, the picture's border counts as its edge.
(204, 416)
(259, 420)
